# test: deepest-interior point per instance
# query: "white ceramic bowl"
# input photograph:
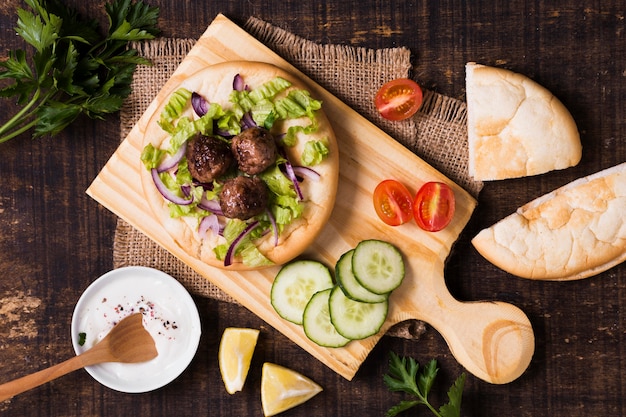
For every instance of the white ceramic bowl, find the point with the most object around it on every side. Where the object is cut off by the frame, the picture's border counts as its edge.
(170, 315)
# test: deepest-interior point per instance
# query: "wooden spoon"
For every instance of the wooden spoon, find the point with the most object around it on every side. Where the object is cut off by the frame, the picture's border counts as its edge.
(127, 342)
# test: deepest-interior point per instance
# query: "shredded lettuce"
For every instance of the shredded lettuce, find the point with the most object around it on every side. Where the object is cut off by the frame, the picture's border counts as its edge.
(174, 108)
(259, 101)
(291, 137)
(248, 251)
(284, 203)
(277, 182)
(263, 113)
(187, 128)
(151, 156)
(314, 152)
(214, 192)
(246, 99)
(242, 103)
(266, 107)
(298, 103)
(269, 89)
(251, 255)
(230, 122)
(288, 208)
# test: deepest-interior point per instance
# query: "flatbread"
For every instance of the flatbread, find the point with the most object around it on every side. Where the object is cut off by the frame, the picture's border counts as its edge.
(215, 83)
(574, 232)
(516, 127)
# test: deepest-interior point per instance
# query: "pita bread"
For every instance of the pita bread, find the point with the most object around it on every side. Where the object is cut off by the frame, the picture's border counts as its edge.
(215, 83)
(574, 232)
(516, 127)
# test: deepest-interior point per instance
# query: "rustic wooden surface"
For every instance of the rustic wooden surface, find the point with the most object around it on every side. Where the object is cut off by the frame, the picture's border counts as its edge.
(56, 239)
(423, 295)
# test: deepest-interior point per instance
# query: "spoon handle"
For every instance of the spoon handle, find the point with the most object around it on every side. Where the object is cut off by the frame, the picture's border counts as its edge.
(19, 385)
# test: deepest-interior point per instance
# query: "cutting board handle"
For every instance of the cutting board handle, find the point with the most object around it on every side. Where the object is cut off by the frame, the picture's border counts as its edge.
(492, 340)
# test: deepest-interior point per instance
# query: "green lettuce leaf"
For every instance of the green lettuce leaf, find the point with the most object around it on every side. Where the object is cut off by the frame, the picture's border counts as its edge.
(314, 152)
(265, 107)
(298, 103)
(248, 251)
(173, 109)
(151, 156)
(269, 89)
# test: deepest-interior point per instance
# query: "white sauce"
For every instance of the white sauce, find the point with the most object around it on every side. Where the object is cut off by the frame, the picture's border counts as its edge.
(169, 315)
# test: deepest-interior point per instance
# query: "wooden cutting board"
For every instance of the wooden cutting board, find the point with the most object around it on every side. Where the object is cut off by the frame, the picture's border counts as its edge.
(492, 340)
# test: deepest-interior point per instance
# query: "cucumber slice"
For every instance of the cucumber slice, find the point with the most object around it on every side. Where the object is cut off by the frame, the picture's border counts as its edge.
(353, 319)
(349, 284)
(378, 266)
(316, 322)
(294, 286)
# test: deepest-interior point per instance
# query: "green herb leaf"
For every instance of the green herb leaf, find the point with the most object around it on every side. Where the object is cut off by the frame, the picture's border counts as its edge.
(405, 376)
(401, 406)
(427, 377)
(138, 15)
(73, 69)
(15, 66)
(40, 31)
(54, 117)
(453, 407)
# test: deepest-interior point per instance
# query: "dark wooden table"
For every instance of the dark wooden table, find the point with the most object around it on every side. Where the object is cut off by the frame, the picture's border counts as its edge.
(56, 240)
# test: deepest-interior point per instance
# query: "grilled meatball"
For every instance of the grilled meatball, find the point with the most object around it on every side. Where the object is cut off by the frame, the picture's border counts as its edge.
(244, 197)
(254, 150)
(208, 158)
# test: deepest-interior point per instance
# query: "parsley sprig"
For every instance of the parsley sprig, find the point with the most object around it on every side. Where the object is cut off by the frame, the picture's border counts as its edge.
(74, 68)
(405, 375)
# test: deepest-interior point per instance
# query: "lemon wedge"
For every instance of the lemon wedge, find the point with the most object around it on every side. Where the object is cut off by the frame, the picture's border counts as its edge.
(235, 354)
(283, 388)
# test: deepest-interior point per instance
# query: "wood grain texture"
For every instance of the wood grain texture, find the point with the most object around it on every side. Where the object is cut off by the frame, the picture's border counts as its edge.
(56, 240)
(127, 342)
(494, 341)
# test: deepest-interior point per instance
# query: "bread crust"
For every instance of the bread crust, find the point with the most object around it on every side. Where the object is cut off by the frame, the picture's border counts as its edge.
(516, 127)
(215, 84)
(573, 232)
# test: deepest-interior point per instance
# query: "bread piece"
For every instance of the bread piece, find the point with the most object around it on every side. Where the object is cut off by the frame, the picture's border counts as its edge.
(574, 232)
(215, 83)
(516, 127)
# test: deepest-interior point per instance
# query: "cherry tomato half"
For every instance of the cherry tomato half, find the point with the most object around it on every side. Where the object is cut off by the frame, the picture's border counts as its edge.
(393, 202)
(433, 207)
(399, 99)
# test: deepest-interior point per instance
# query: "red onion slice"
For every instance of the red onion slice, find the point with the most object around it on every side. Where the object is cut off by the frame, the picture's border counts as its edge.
(210, 222)
(292, 176)
(238, 84)
(211, 205)
(274, 226)
(200, 104)
(307, 173)
(166, 193)
(247, 121)
(186, 190)
(173, 160)
(230, 253)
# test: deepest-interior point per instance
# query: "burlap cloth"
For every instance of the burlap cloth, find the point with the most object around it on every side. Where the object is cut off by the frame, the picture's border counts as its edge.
(437, 133)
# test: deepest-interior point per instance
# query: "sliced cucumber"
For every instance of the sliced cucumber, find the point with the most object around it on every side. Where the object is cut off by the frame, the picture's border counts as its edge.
(378, 266)
(294, 286)
(353, 319)
(317, 324)
(349, 284)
